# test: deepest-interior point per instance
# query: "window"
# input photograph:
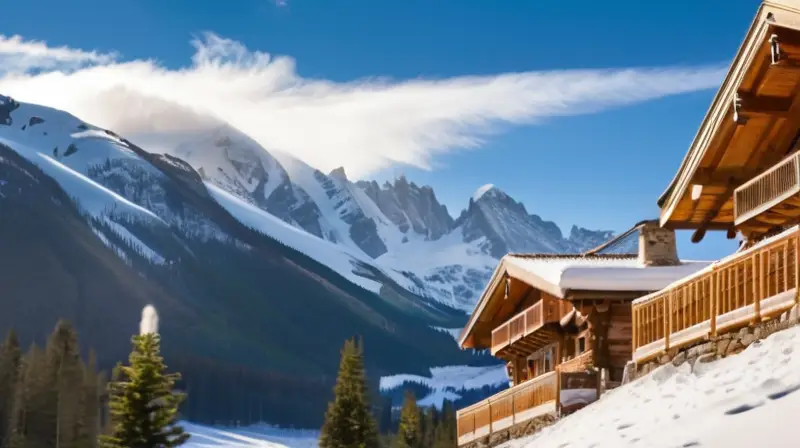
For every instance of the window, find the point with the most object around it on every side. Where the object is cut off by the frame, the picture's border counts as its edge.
(548, 362)
(581, 344)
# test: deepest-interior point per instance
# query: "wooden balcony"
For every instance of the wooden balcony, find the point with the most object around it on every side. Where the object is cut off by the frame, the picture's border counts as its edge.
(512, 406)
(771, 198)
(524, 333)
(579, 363)
(757, 284)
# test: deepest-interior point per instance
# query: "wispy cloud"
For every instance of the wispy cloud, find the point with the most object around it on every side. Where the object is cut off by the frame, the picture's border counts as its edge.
(19, 55)
(364, 125)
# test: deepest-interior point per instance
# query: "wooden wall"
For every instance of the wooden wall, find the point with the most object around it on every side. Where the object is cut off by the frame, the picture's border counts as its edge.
(620, 338)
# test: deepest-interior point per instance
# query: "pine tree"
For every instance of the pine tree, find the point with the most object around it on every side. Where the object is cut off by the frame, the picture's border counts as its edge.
(385, 416)
(10, 370)
(445, 434)
(348, 422)
(66, 372)
(408, 433)
(143, 404)
(34, 417)
(430, 420)
(91, 390)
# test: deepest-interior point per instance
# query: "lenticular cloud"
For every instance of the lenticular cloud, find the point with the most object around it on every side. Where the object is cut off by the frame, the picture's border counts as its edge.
(363, 125)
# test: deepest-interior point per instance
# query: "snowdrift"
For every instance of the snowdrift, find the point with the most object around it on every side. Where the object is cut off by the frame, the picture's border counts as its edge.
(747, 400)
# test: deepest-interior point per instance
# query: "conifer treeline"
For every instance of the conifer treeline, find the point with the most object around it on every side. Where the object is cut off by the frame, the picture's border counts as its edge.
(49, 398)
(350, 421)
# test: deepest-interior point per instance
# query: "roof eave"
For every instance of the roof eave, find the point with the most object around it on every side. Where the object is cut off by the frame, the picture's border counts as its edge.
(490, 286)
(680, 182)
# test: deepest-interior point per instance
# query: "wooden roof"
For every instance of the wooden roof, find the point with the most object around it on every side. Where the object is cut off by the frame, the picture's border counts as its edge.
(752, 123)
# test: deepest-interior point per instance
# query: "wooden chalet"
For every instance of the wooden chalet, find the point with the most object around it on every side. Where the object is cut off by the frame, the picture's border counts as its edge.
(741, 175)
(562, 322)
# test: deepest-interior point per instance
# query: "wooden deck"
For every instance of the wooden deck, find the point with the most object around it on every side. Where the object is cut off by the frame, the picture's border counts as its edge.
(771, 198)
(526, 329)
(518, 404)
(757, 284)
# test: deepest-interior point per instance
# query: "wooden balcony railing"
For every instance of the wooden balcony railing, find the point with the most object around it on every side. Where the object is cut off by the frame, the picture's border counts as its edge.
(527, 322)
(758, 283)
(515, 405)
(577, 364)
(767, 190)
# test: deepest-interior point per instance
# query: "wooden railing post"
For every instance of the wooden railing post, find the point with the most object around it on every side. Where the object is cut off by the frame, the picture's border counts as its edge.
(786, 266)
(491, 416)
(635, 331)
(796, 260)
(712, 297)
(513, 410)
(761, 281)
(756, 279)
(667, 318)
(474, 424)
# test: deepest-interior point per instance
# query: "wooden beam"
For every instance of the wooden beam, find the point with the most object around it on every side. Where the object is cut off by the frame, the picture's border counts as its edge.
(709, 177)
(786, 36)
(688, 225)
(788, 64)
(771, 106)
(720, 201)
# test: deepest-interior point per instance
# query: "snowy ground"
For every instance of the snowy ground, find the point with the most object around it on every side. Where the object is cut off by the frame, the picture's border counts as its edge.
(446, 382)
(257, 436)
(747, 400)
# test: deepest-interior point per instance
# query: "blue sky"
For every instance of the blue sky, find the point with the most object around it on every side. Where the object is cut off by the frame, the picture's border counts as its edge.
(598, 170)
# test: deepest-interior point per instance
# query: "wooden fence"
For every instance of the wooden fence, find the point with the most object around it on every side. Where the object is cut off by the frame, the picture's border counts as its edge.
(756, 284)
(515, 405)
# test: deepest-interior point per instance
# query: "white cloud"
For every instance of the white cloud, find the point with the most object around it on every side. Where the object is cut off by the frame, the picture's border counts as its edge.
(364, 125)
(19, 55)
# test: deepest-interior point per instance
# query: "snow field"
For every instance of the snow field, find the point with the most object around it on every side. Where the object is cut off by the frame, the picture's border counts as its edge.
(747, 400)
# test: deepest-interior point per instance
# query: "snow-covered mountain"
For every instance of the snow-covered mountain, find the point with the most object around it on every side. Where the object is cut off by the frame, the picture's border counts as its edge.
(93, 227)
(399, 228)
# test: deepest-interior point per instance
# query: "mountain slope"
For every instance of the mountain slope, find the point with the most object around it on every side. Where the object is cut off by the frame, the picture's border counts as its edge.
(234, 301)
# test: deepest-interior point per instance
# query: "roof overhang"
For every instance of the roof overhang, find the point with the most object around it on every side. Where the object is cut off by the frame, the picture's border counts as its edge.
(505, 270)
(722, 125)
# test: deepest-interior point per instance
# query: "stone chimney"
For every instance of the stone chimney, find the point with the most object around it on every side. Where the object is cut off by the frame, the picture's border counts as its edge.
(657, 245)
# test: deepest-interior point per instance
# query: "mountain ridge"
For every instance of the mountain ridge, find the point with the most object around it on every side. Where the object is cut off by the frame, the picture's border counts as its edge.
(393, 223)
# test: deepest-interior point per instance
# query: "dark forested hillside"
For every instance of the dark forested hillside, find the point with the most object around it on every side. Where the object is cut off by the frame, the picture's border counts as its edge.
(246, 318)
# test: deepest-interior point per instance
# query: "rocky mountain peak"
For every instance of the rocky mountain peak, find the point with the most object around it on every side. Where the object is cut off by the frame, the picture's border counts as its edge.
(338, 173)
(410, 207)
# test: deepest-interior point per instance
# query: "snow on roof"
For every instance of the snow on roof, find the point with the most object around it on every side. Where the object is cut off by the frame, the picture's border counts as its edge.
(710, 266)
(557, 274)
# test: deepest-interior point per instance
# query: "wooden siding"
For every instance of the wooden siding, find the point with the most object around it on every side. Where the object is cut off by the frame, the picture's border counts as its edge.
(757, 284)
(620, 339)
